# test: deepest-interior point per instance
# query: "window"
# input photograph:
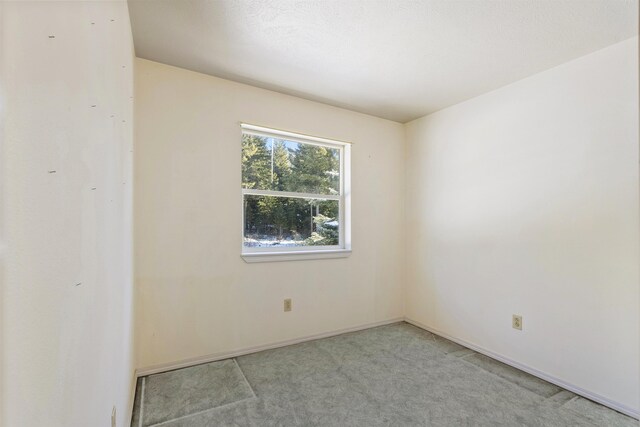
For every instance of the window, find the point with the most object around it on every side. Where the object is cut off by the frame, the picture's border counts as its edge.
(295, 200)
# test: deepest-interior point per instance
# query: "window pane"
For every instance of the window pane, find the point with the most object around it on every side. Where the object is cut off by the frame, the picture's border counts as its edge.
(271, 221)
(282, 165)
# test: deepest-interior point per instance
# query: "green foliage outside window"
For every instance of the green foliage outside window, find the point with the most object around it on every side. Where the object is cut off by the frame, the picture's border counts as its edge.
(279, 165)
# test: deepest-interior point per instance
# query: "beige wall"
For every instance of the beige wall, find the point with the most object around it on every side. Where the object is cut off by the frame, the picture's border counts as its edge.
(196, 295)
(525, 201)
(65, 248)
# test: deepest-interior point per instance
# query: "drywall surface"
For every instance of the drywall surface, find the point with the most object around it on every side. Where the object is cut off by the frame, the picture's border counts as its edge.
(196, 295)
(525, 201)
(66, 247)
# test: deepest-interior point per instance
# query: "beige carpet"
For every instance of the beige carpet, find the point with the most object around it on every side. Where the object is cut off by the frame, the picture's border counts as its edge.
(395, 375)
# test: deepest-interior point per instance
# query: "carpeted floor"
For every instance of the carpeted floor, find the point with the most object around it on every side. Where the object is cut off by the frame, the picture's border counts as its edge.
(395, 375)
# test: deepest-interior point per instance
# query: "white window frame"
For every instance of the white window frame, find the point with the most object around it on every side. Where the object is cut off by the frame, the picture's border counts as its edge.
(343, 249)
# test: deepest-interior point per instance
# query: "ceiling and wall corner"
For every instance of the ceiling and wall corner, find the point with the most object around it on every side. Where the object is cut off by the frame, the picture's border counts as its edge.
(395, 59)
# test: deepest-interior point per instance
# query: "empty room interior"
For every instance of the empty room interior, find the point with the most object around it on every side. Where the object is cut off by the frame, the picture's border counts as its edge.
(319, 213)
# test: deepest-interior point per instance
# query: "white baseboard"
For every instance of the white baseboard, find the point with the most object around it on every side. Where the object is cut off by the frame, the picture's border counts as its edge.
(248, 350)
(573, 388)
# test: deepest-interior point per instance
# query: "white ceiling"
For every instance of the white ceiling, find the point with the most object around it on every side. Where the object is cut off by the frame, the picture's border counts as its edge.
(397, 59)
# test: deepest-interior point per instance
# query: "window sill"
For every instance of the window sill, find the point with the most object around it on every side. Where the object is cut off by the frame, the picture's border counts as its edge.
(252, 257)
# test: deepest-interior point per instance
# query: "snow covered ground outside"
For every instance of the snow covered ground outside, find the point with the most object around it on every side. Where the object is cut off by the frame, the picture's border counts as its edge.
(266, 242)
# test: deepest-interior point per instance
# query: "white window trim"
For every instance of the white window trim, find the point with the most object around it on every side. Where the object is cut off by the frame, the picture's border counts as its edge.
(343, 249)
(295, 255)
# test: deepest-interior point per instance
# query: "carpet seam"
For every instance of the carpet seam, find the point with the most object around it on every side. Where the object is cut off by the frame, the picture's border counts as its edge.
(141, 415)
(508, 380)
(244, 377)
(226, 405)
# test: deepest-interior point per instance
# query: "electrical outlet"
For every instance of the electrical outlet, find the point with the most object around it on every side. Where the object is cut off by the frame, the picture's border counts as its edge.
(287, 304)
(113, 416)
(516, 322)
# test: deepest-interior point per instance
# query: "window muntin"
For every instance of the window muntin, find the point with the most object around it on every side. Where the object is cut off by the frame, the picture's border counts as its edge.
(293, 192)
